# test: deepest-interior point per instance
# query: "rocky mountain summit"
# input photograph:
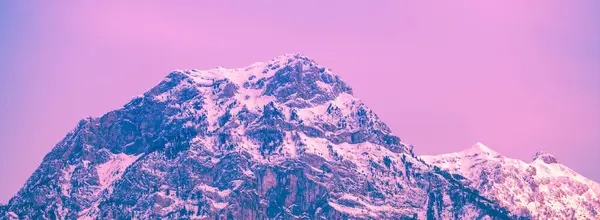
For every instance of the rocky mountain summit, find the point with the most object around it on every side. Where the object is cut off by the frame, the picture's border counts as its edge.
(541, 189)
(282, 139)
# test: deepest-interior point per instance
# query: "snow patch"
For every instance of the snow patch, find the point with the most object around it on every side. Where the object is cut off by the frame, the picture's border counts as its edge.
(65, 186)
(113, 169)
(219, 205)
(207, 188)
(362, 208)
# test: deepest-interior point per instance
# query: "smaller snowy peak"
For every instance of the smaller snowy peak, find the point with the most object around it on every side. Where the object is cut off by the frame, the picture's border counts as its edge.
(545, 157)
(477, 150)
(542, 189)
(481, 148)
(465, 160)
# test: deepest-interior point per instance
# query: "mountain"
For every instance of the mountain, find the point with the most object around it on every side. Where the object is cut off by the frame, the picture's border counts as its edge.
(282, 139)
(542, 189)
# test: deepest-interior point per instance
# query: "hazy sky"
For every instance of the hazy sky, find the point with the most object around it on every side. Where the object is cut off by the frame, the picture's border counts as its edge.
(518, 76)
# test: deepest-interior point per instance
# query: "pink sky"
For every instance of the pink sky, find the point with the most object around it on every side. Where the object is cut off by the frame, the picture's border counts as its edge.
(518, 76)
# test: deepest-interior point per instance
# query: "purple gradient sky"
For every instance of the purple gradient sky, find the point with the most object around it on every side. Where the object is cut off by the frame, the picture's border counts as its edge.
(518, 76)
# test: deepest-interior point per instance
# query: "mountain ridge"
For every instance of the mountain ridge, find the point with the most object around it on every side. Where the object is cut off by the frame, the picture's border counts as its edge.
(279, 139)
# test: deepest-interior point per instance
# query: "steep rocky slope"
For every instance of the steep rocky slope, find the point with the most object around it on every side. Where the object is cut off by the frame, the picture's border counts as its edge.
(542, 189)
(281, 139)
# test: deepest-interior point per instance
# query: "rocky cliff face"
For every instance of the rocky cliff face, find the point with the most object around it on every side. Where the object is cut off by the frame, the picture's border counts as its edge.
(283, 139)
(542, 189)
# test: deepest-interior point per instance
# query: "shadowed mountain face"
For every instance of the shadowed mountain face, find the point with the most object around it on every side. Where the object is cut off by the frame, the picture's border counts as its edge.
(282, 139)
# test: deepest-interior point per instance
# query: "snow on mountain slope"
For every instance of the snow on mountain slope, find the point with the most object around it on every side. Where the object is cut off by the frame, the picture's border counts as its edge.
(281, 139)
(543, 188)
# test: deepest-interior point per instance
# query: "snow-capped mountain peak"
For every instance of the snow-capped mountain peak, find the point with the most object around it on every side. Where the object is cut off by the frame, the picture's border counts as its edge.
(284, 137)
(480, 148)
